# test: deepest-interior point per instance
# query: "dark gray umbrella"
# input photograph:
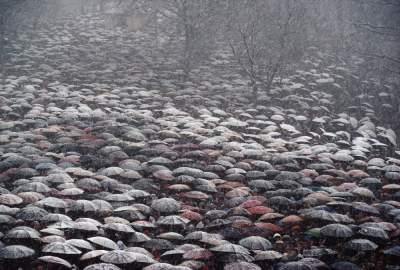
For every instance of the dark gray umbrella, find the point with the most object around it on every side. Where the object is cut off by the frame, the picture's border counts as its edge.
(336, 231)
(255, 243)
(242, 266)
(361, 245)
(102, 266)
(16, 252)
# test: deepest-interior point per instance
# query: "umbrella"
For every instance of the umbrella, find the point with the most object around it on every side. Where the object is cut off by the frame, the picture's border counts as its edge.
(55, 260)
(314, 263)
(159, 266)
(393, 251)
(166, 205)
(139, 250)
(80, 243)
(31, 213)
(173, 221)
(118, 257)
(373, 233)
(22, 232)
(61, 248)
(171, 236)
(55, 217)
(192, 264)
(365, 208)
(173, 254)
(52, 238)
(52, 202)
(296, 266)
(16, 252)
(103, 242)
(269, 255)
(158, 244)
(344, 266)
(195, 195)
(230, 248)
(138, 237)
(125, 257)
(318, 252)
(93, 254)
(241, 266)
(234, 257)
(197, 254)
(336, 230)
(119, 227)
(84, 206)
(255, 243)
(360, 245)
(102, 266)
(10, 199)
(217, 223)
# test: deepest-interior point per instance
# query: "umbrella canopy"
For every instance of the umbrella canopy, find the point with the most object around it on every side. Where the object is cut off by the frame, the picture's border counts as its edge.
(296, 266)
(10, 199)
(230, 248)
(93, 254)
(255, 243)
(344, 266)
(269, 255)
(242, 266)
(102, 266)
(125, 257)
(173, 221)
(55, 260)
(22, 232)
(197, 254)
(393, 251)
(360, 245)
(118, 257)
(61, 248)
(166, 205)
(336, 231)
(103, 242)
(16, 252)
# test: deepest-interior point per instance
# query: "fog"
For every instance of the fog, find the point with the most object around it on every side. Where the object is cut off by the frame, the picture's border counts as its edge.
(212, 134)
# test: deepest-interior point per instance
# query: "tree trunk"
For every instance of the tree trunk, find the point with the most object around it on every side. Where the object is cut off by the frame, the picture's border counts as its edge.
(255, 91)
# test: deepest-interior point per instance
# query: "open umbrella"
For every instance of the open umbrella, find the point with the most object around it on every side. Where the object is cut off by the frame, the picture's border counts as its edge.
(197, 254)
(361, 245)
(242, 266)
(230, 248)
(336, 231)
(296, 266)
(102, 266)
(93, 254)
(55, 260)
(268, 255)
(103, 242)
(16, 252)
(166, 205)
(61, 248)
(255, 243)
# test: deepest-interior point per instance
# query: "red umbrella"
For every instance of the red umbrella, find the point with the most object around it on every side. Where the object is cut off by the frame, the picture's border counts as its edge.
(242, 223)
(191, 215)
(269, 226)
(292, 219)
(198, 254)
(260, 210)
(270, 216)
(250, 203)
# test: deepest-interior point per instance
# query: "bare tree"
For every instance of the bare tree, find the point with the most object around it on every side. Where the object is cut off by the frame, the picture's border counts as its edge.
(195, 27)
(264, 36)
